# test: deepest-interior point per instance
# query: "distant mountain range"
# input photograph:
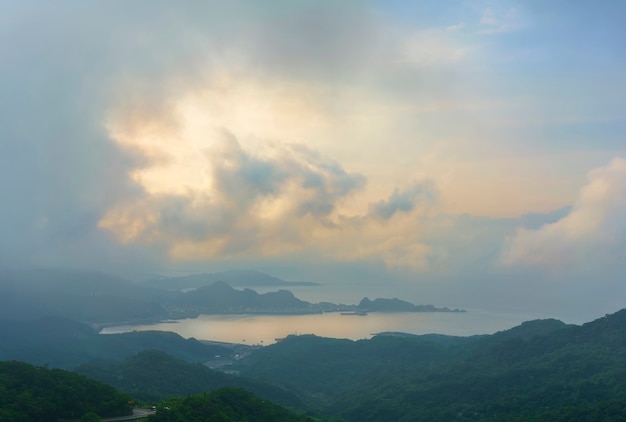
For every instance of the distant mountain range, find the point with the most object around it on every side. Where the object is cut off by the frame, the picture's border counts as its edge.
(236, 278)
(220, 298)
(100, 299)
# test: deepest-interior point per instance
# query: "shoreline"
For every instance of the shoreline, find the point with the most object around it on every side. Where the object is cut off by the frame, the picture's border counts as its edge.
(99, 326)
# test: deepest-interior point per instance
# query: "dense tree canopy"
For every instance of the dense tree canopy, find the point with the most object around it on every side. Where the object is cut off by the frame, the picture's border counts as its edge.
(541, 370)
(153, 375)
(224, 405)
(30, 394)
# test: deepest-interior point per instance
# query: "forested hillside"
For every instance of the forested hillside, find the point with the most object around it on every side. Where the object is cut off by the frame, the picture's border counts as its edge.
(62, 343)
(154, 376)
(541, 370)
(224, 405)
(36, 394)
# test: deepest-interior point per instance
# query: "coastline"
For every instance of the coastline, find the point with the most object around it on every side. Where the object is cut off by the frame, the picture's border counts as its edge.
(344, 310)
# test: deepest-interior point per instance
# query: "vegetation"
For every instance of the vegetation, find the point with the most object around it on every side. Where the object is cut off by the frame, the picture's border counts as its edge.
(66, 344)
(31, 394)
(539, 371)
(542, 370)
(153, 376)
(224, 405)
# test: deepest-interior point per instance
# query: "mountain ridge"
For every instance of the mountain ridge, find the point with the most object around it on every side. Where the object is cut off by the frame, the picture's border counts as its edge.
(235, 278)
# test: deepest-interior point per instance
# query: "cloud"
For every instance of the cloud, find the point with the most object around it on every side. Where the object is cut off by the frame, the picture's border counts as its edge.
(209, 194)
(433, 47)
(593, 233)
(456, 27)
(501, 19)
(157, 135)
(212, 197)
(68, 67)
(404, 201)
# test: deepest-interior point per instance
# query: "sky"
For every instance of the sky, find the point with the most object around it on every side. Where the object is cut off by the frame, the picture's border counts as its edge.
(468, 152)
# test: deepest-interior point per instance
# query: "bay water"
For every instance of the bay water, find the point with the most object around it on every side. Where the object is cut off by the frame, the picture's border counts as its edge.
(267, 329)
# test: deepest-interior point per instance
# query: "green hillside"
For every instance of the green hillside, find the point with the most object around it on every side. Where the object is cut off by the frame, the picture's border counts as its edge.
(63, 343)
(541, 370)
(154, 375)
(224, 405)
(31, 394)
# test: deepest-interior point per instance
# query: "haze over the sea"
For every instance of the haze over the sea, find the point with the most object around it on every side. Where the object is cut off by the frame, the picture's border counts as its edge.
(470, 152)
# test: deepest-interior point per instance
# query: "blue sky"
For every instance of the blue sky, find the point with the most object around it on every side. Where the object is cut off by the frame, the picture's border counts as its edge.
(468, 151)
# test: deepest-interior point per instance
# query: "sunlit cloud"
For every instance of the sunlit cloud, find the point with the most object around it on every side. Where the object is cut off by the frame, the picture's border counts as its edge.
(394, 140)
(208, 195)
(592, 233)
(230, 192)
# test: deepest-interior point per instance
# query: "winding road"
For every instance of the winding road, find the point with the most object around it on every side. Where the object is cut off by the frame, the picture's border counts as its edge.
(137, 414)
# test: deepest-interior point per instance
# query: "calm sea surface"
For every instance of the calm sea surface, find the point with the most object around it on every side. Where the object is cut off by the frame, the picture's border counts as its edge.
(265, 329)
